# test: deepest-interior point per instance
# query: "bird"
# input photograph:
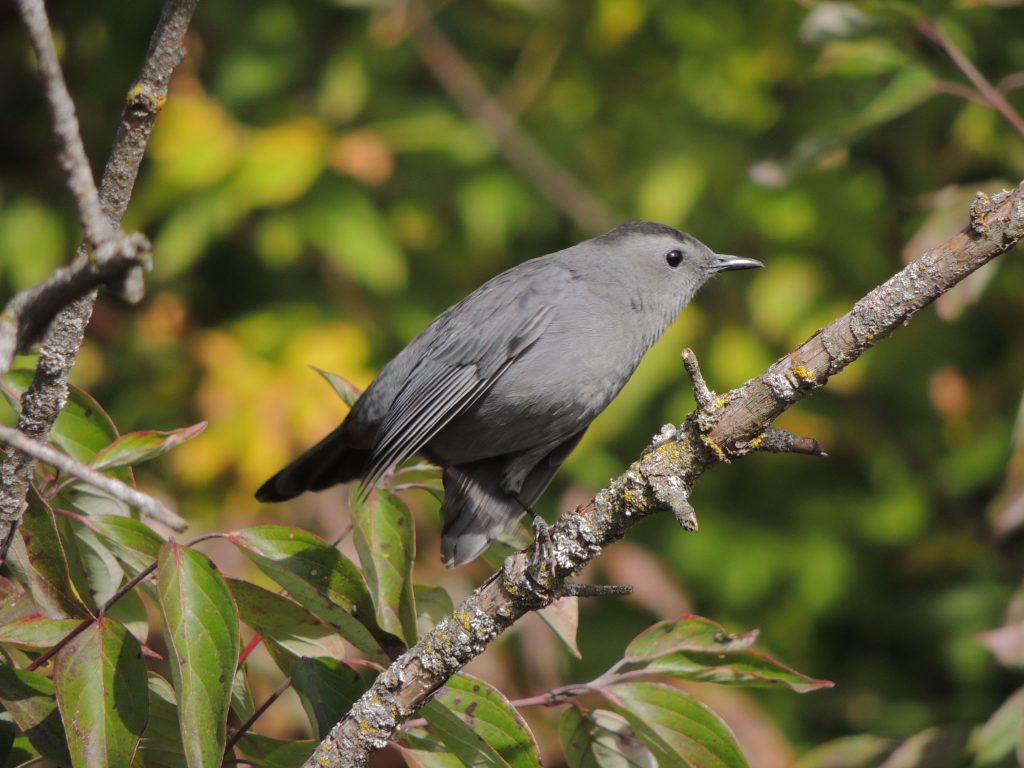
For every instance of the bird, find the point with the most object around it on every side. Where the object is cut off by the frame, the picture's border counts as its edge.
(500, 387)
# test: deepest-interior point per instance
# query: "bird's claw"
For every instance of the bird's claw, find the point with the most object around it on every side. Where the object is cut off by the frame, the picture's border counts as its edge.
(543, 565)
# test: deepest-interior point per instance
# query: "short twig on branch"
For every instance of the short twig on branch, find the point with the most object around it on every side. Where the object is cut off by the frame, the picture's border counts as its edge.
(45, 397)
(663, 476)
(146, 504)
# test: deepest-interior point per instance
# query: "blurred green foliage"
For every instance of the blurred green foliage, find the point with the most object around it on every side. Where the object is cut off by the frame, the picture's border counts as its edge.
(314, 197)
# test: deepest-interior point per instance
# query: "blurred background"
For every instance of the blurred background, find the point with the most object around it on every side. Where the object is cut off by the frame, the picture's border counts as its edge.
(326, 177)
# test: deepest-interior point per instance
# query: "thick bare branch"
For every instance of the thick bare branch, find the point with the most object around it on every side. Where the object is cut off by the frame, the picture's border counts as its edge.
(722, 428)
(46, 395)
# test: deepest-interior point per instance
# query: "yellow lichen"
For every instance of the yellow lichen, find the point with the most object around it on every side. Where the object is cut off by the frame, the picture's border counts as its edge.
(801, 372)
(715, 447)
(756, 442)
(720, 401)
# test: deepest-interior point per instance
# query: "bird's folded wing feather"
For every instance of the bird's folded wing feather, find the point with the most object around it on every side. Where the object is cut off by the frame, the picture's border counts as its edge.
(466, 350)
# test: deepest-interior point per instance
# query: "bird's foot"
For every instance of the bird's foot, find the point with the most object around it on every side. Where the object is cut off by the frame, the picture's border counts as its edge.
(543, 565)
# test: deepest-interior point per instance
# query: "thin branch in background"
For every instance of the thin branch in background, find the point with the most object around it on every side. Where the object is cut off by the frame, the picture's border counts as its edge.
(962, 91)
(990, 93)
(257, 714)
(145, 503)
(96, 226)
(456, 76)
(47, 394)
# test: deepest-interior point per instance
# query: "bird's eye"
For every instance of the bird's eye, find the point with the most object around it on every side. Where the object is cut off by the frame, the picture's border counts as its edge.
(674, 258)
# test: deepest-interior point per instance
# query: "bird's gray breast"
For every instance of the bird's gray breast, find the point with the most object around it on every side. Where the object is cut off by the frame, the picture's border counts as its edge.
(552, 391)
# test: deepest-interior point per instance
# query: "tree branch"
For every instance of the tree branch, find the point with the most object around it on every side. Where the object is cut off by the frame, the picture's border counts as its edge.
(720, 429)
(457, 77)
(47, 394)
(146, 504)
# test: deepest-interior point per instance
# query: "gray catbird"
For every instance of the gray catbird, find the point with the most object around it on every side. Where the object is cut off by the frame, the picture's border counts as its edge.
(500, 388)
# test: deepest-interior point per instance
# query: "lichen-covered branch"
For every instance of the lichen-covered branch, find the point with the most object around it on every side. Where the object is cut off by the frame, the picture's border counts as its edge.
(47, 394)
(722, 427)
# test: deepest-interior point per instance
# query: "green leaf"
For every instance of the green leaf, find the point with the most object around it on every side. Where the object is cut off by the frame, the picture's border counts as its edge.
(137, 447)
(39, 560)
(941, 747)
(35, 631)
(327, 688)
(131, 611)
(15, 602)
(265, 752)
(242, 703)
(161, 745)
(386, 543)
(136, 545)
(421, 758)
(344, 388)
(677, 729)
(998, 737)
(478, 725)
(691, 633)
(95, 572)
(201, 631)
(319, 577)
(601, 739)
(432, 605)
(29, 699)
(100, 681)
(279, 618)
(698, 649)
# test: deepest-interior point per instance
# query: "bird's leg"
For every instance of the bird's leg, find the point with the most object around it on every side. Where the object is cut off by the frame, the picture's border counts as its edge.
(543, 551)
(543, 564)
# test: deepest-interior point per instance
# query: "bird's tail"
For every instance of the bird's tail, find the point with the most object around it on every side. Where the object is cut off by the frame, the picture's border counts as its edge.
(331, 461)
(476, 511)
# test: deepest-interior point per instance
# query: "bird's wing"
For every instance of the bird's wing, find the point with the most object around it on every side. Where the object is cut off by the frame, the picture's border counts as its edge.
(463, 353)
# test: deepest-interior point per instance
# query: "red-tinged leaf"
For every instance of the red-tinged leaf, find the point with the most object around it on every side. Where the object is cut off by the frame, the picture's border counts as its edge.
(745, 669)
(201, 631)
(39, 561)
(35, 631)
(675, 727)
(386, 543)
(100, 682)
(477, 724)
(266, 752)
(563, 618)
(327, 689)
(15, 602)
(137, 447)
(318, 577)
(601, 739)
(698, 649)
(997, 739)
(849, 752)
(344, 388)
(28, 698)
(690, 633)
(1007, 643)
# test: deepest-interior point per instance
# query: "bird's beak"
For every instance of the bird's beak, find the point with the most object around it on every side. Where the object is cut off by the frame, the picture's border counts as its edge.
(723, 263)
